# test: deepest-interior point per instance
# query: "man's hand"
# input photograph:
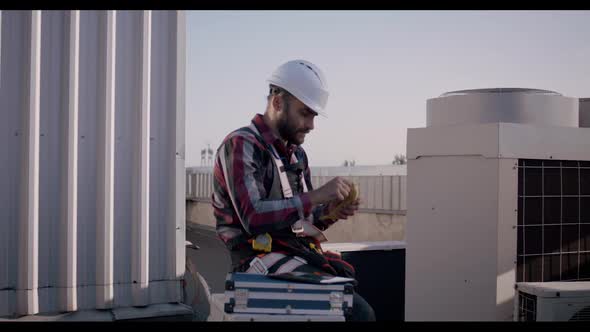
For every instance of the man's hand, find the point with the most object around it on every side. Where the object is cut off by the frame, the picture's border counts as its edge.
(336, 189)
(345, 212)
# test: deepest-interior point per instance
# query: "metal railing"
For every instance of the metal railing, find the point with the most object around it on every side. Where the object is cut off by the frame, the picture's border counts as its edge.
(383, 194)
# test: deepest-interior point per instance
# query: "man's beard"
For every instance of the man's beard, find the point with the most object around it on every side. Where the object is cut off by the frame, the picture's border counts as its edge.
(287, 132)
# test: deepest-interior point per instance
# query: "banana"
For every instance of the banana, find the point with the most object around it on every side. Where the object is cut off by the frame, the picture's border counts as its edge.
(347, 201)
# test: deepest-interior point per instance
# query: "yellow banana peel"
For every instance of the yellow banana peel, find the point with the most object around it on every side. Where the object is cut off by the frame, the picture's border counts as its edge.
(352, 196)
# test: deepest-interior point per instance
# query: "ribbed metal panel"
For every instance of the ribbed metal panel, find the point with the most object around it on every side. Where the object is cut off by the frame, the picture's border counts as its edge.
(160, 143)
(53, 79)
(176, 255)
(97, 148)
(28, 228)
(15, 26)
(126, 119)
(92, 127)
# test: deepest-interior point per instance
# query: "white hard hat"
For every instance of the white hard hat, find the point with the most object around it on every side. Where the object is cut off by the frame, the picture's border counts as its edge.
(305, 81)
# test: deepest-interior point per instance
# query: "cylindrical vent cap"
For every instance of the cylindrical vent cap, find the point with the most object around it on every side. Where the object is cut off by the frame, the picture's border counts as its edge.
(513, 105)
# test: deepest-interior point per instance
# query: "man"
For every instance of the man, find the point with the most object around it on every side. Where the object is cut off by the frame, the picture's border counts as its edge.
(267, 214)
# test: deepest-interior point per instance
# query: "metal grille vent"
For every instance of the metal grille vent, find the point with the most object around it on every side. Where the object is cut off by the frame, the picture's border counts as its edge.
(582, 315)
(553, 220)
(527, 307)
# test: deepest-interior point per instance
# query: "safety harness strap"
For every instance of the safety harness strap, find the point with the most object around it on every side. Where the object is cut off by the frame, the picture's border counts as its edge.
(261, 265)
(303, 226)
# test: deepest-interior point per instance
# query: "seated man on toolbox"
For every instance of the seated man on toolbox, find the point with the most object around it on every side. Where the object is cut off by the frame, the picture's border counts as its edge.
(267, 213)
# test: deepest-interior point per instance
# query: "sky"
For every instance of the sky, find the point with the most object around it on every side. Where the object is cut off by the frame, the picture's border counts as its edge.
(381, 67)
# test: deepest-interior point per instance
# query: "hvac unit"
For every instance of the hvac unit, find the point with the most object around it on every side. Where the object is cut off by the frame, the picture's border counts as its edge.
(498, 192)
(552, 301)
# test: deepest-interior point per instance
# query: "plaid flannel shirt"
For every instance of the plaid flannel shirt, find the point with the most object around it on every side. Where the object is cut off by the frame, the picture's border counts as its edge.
(250, 176)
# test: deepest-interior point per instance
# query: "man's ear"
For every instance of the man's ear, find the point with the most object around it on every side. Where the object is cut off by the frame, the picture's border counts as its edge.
(277, 103)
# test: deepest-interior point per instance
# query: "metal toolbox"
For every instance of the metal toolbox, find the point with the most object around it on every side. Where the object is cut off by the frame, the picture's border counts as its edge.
(260, 294)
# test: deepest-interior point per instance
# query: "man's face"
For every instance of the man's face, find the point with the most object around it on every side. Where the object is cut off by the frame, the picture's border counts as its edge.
(295, 121)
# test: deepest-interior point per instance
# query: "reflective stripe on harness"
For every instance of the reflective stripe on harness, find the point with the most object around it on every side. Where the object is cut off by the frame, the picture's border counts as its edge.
(262, 265)
(291, 265)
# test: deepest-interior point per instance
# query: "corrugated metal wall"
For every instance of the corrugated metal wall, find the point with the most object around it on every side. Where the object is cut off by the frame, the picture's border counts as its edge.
(92, 159)
(379, 194)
